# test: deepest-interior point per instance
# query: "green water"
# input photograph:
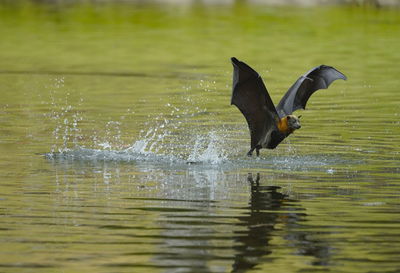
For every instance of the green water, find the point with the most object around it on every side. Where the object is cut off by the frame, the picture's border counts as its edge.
(121, 96)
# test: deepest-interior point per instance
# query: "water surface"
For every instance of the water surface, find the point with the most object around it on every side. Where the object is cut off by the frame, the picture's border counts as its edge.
(103, 106)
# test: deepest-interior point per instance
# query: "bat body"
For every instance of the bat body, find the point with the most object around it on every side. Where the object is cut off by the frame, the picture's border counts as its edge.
(270, 125)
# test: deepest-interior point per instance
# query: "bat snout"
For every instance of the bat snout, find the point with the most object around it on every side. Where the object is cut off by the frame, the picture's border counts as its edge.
(294, 123)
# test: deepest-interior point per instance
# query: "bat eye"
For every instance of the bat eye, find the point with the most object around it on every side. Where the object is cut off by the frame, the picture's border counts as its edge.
(299, 117)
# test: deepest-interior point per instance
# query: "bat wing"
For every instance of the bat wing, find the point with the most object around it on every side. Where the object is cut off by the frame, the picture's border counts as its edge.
(250, 95)
(297, 96)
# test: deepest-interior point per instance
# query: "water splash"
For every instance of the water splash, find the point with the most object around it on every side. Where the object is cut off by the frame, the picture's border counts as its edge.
(173, 135)
(208, 149)
(184, 134)
(112, 137)
(66, 118)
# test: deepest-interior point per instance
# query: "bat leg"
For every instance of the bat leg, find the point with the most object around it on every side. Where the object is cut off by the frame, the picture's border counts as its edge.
(250, 153)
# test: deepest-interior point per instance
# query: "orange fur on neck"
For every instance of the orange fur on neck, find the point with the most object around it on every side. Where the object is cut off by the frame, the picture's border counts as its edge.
(283, 126)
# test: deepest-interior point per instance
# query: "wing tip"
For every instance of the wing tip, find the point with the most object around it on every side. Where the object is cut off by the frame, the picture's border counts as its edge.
(234, 60)
(341, 75)
(242, 66)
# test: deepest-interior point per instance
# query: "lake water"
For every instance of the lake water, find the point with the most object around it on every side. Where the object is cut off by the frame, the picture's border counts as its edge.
(102, 106)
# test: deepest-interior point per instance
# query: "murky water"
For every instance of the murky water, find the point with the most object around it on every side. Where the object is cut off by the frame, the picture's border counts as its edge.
(102, 107)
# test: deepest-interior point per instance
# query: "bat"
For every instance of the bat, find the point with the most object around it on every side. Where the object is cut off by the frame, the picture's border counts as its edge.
(270, 125)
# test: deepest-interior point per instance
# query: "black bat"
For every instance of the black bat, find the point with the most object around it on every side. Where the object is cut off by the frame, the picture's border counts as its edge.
(269, 125)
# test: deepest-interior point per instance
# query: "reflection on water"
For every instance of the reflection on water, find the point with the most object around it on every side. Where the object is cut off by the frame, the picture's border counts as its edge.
(204, 222)
(156, 217)
(259, 223)
(205, 218)
(268, 208)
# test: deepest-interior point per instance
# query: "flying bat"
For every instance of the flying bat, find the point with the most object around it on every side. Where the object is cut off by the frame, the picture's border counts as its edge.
(270, 125)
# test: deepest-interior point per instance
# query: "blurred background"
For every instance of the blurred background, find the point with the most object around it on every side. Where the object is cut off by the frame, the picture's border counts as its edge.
(104, 103)
(264, 2)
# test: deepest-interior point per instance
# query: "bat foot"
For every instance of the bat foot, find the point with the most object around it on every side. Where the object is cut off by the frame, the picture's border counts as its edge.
(250, 153)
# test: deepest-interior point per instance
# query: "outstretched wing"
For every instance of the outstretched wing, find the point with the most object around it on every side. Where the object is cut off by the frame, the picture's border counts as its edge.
(250, 95)
(297, 96)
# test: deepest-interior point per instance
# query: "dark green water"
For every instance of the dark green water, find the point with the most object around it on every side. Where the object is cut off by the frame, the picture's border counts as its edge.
(121, 96)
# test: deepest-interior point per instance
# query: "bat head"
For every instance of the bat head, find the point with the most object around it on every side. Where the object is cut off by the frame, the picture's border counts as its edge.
(293, 122)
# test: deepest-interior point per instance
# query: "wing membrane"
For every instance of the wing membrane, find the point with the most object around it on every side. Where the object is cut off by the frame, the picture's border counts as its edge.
(298, 94)
(250, 95)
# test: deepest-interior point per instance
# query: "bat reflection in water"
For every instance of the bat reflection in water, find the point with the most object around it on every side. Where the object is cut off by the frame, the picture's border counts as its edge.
(274, 214)
(258, 225)
(270, 125)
